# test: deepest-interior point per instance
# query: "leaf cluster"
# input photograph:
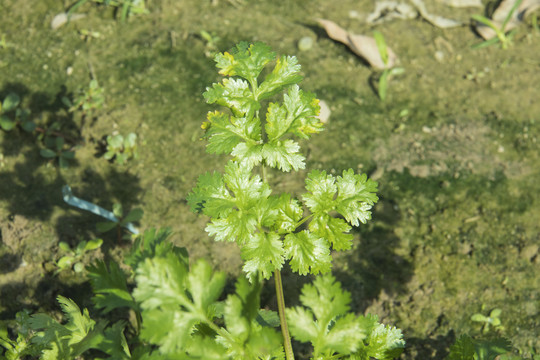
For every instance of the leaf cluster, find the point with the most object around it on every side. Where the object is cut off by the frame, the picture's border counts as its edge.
(121, 149)
(240, 202)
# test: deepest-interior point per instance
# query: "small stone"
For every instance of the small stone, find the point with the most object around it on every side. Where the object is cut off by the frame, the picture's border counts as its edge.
(305, 43)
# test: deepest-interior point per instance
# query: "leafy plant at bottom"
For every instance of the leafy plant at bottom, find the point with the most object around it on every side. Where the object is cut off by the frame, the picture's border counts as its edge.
(467, 348)
(334, 332)
(121, 149)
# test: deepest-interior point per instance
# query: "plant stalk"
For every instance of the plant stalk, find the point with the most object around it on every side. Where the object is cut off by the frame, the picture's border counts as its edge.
(281, 310)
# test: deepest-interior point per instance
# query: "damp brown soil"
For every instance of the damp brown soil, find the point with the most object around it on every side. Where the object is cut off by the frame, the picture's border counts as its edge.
(454, 148)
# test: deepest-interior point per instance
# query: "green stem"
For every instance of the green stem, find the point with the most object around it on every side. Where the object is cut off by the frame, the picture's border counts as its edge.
(281, 310)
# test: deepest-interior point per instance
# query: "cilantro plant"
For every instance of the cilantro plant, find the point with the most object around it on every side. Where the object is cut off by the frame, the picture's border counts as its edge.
(269, 228)
(121, 149)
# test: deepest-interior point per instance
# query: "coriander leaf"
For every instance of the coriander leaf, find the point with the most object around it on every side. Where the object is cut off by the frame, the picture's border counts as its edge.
(211, 196)
(325, 298)
(325, 324)
(175, 301)
(248, 154)
(356, 196)
(297, 115)
(385, 342)
(246, 60)
(153, 243)
(237, 325)
(334, 230)
(283, 155)
(110, 286)
(307, 253)
(263, 252)
(224, 132)
(322, 190)
(234, 94)
(285, 73)
(236, 227)
(463, 349)
(289, 214)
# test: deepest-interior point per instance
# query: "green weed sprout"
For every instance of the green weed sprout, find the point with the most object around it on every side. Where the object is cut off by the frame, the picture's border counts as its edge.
(270, 229)
(211, 43)
(502, 36)
(127, 7)
(387, 73)
(73, 259)
(121, 220)
(121, 149)
(87, 100)
(488, 321)
(56, 149)
(12, 116)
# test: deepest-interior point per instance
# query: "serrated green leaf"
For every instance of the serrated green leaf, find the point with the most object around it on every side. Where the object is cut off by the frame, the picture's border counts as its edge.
(297, 115)
(283, 155)
(211, 196)
(237, 325)
(308, 253)
(285, 73)
(263, 253)
(153, 243)
(246, 60)
(110, 287)
(234, 94)
(289, 214)
(325, 324)
(385, 342)
(334, 230)
(356, 196)
(322, 190)
(174, 301)
(462, 349)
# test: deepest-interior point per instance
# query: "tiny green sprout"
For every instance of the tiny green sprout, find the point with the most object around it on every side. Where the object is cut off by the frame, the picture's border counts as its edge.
(388, 72)
(126, 7)
(488, 321)
(4, 44)
(505, 38)
(88, 100)
(122, 220)
(121, 149)
(88, 35)
(11, 115)
(55, 149)
(74, 257)
(211, 43)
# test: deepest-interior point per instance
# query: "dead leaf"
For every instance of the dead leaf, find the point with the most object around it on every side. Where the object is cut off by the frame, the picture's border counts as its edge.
(436, 20)
(361, 45)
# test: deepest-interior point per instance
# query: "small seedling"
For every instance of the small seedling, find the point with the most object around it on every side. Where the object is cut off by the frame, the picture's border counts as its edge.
(4, 44)
(505, 38)
(87, 35)
(55, 149)
(122, 220)
(74, 257)
(121, 149)
(387, 73)
(488, 321)
(126, 7)
(88, 100)
(11, 115)
(211, 43)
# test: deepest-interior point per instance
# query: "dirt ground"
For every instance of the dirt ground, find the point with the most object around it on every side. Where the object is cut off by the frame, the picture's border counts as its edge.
(454, 148)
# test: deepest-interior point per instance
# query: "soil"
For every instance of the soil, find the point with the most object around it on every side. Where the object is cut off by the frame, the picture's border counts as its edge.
(454, 148)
